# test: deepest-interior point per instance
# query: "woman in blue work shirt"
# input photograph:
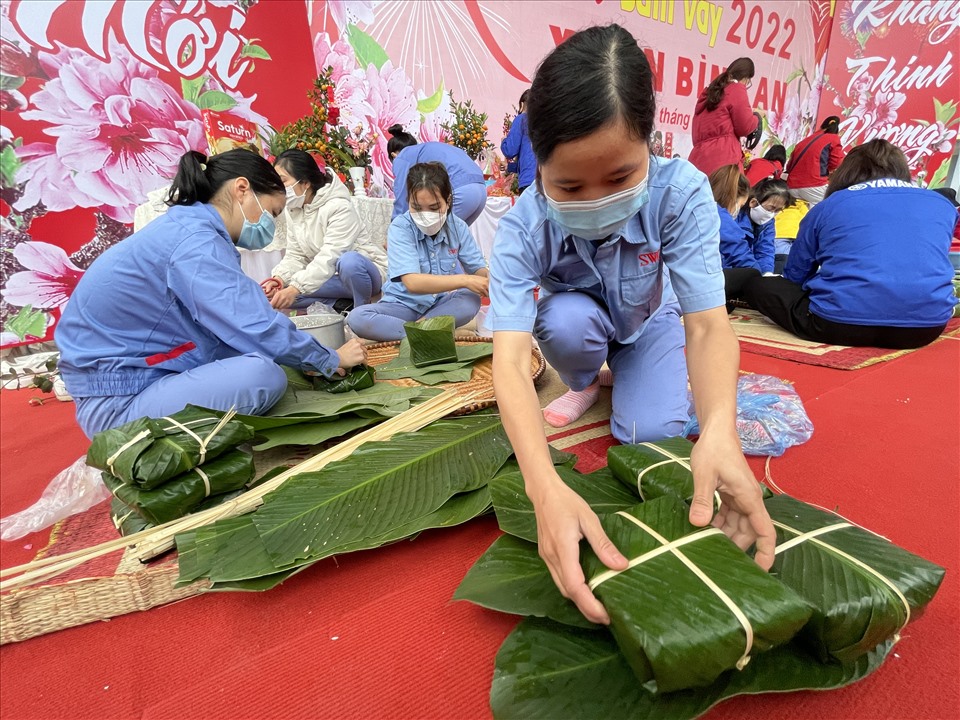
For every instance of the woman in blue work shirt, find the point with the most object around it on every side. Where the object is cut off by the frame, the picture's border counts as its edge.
(426, 247)
(466, 177)
(167, 317)
(870, 265)
(597, 233)
(517, 144)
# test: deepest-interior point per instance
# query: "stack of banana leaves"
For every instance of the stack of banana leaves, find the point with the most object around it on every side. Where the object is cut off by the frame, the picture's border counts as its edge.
(383, 492)
(693, 619)
(162, 469)
(430, 355)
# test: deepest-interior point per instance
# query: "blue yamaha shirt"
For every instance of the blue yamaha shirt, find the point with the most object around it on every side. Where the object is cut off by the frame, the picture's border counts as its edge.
(167, 299)
(409, 250)
(461, 169)
(743, 243)
(677, 230)
(877, 253)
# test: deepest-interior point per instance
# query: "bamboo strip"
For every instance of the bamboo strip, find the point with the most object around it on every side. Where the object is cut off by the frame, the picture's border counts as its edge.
(149, 543)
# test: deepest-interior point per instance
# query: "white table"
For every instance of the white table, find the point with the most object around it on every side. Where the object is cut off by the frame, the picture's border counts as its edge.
(484, 228)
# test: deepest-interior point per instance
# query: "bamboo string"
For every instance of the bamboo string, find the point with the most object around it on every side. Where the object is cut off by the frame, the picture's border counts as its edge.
(682, 462)
(151, 542)
(702, 576)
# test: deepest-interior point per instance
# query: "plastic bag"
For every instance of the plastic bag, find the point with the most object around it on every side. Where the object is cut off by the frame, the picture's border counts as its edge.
(770, 416)
(72, 491)
(319, 308)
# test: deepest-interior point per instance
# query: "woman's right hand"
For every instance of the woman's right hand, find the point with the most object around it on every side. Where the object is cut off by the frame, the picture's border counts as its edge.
(478, 284)
(351, 354)
(563, 519)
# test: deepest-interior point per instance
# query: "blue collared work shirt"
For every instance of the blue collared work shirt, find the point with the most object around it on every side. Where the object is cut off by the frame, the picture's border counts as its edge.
(669, 249)
(409, 250)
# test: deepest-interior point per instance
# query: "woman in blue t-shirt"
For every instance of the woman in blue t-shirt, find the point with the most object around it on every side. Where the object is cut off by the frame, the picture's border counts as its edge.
(870, 266)
(426, 247)
(621, 243)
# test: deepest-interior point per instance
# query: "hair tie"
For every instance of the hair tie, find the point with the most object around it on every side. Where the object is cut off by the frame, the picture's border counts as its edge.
(203, 167)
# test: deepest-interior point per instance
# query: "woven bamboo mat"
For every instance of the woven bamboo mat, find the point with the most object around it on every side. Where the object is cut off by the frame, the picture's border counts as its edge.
(116, 585)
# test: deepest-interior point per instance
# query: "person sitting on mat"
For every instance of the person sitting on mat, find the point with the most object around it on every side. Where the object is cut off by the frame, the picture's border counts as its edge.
(870, 265)
(786, 227)
(620, 243)
(813, 160)
(425, 248)
(466, 177)
(769, 166)
(167, 318)
(329, 255)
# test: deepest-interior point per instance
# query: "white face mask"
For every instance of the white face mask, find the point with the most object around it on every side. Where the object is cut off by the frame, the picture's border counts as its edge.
(760, 215)
(294, 200)
(597, 219)
(429, 222)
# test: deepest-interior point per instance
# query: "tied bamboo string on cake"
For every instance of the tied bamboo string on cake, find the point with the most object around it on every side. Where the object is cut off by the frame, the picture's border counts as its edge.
(151, 542)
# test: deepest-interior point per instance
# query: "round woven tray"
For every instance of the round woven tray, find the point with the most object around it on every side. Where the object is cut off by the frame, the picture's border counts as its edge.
(481, 381)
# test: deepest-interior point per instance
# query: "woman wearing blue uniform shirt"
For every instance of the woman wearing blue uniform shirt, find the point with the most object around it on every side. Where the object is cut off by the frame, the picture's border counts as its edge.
(466, 177)
(870, 265)
(517, 144)
(167, 317)
(425, 248)
(598, 232)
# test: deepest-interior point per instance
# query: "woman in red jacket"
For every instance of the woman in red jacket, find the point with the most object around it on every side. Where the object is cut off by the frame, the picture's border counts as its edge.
(813, 160)
(723, 115)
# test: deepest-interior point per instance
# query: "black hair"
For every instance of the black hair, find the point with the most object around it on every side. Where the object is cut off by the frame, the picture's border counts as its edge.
(199, 178)
(302, 167)
(776, 153)
(523, 99)
(768, 188)
(740, 69)
(831, 125)
(874, 160)
(431, 176)
(592, 79)
(399, 139)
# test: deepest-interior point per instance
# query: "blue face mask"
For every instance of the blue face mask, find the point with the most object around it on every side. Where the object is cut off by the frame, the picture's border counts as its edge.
(256, 236)
(597, 219)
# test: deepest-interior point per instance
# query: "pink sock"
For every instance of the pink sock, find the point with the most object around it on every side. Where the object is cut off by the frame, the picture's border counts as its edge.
(569, 407)
(605, 377)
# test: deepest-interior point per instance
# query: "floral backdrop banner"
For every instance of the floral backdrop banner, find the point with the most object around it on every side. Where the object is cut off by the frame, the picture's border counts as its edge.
(892, 74)
(99, 101)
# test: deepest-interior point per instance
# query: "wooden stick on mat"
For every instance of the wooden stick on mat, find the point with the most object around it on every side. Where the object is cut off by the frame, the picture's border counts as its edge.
(149, 543)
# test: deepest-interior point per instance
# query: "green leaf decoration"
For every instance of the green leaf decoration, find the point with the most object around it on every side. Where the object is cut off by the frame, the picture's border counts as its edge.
(27, 323)
(8, 82)
(940, 176)
(515, 514)
(431, 340)
(430, 104)
(216, 101)
(181, 495)
(311, 433)
(191, 88)
(512, 578)
(545, 671)
(379, 487)
(797, 73)
(254, 51)
(367, 50)
(671, 627)
(9, 165)
(855, 610)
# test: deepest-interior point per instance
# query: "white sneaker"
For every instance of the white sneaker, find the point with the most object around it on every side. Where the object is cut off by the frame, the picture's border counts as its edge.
(60, 390)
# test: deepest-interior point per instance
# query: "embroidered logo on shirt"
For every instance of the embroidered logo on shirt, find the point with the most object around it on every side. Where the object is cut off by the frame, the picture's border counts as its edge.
(648, 258)
(453, 251)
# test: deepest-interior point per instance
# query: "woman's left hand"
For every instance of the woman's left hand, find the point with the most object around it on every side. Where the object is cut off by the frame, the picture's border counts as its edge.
(719, 466)
(282, 299)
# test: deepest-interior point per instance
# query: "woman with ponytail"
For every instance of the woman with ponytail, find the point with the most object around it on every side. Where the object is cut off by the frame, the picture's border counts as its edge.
(813, 161)
(469, 187)
(723, 115)
(167, 318)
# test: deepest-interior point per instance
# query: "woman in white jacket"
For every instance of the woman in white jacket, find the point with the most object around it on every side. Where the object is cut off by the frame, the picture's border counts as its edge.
(329, 254)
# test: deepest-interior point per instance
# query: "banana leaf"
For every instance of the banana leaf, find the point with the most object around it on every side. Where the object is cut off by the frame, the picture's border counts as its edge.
(380, 486)
(511, 577)
(431, 340)
(298, 405)
(461, 370)
(148, 452)
(515, 512)
(311, 433)
(670, 626)
(855, 610)
(652, 470)
(546, 671)
(181, 495)
(360, 377)
(125, 519)
(296, 379)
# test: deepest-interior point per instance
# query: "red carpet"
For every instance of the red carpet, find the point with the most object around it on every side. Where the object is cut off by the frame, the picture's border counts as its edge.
(374, 635)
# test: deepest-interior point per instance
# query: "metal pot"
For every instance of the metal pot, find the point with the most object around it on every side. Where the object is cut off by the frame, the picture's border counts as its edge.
(326, 329)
